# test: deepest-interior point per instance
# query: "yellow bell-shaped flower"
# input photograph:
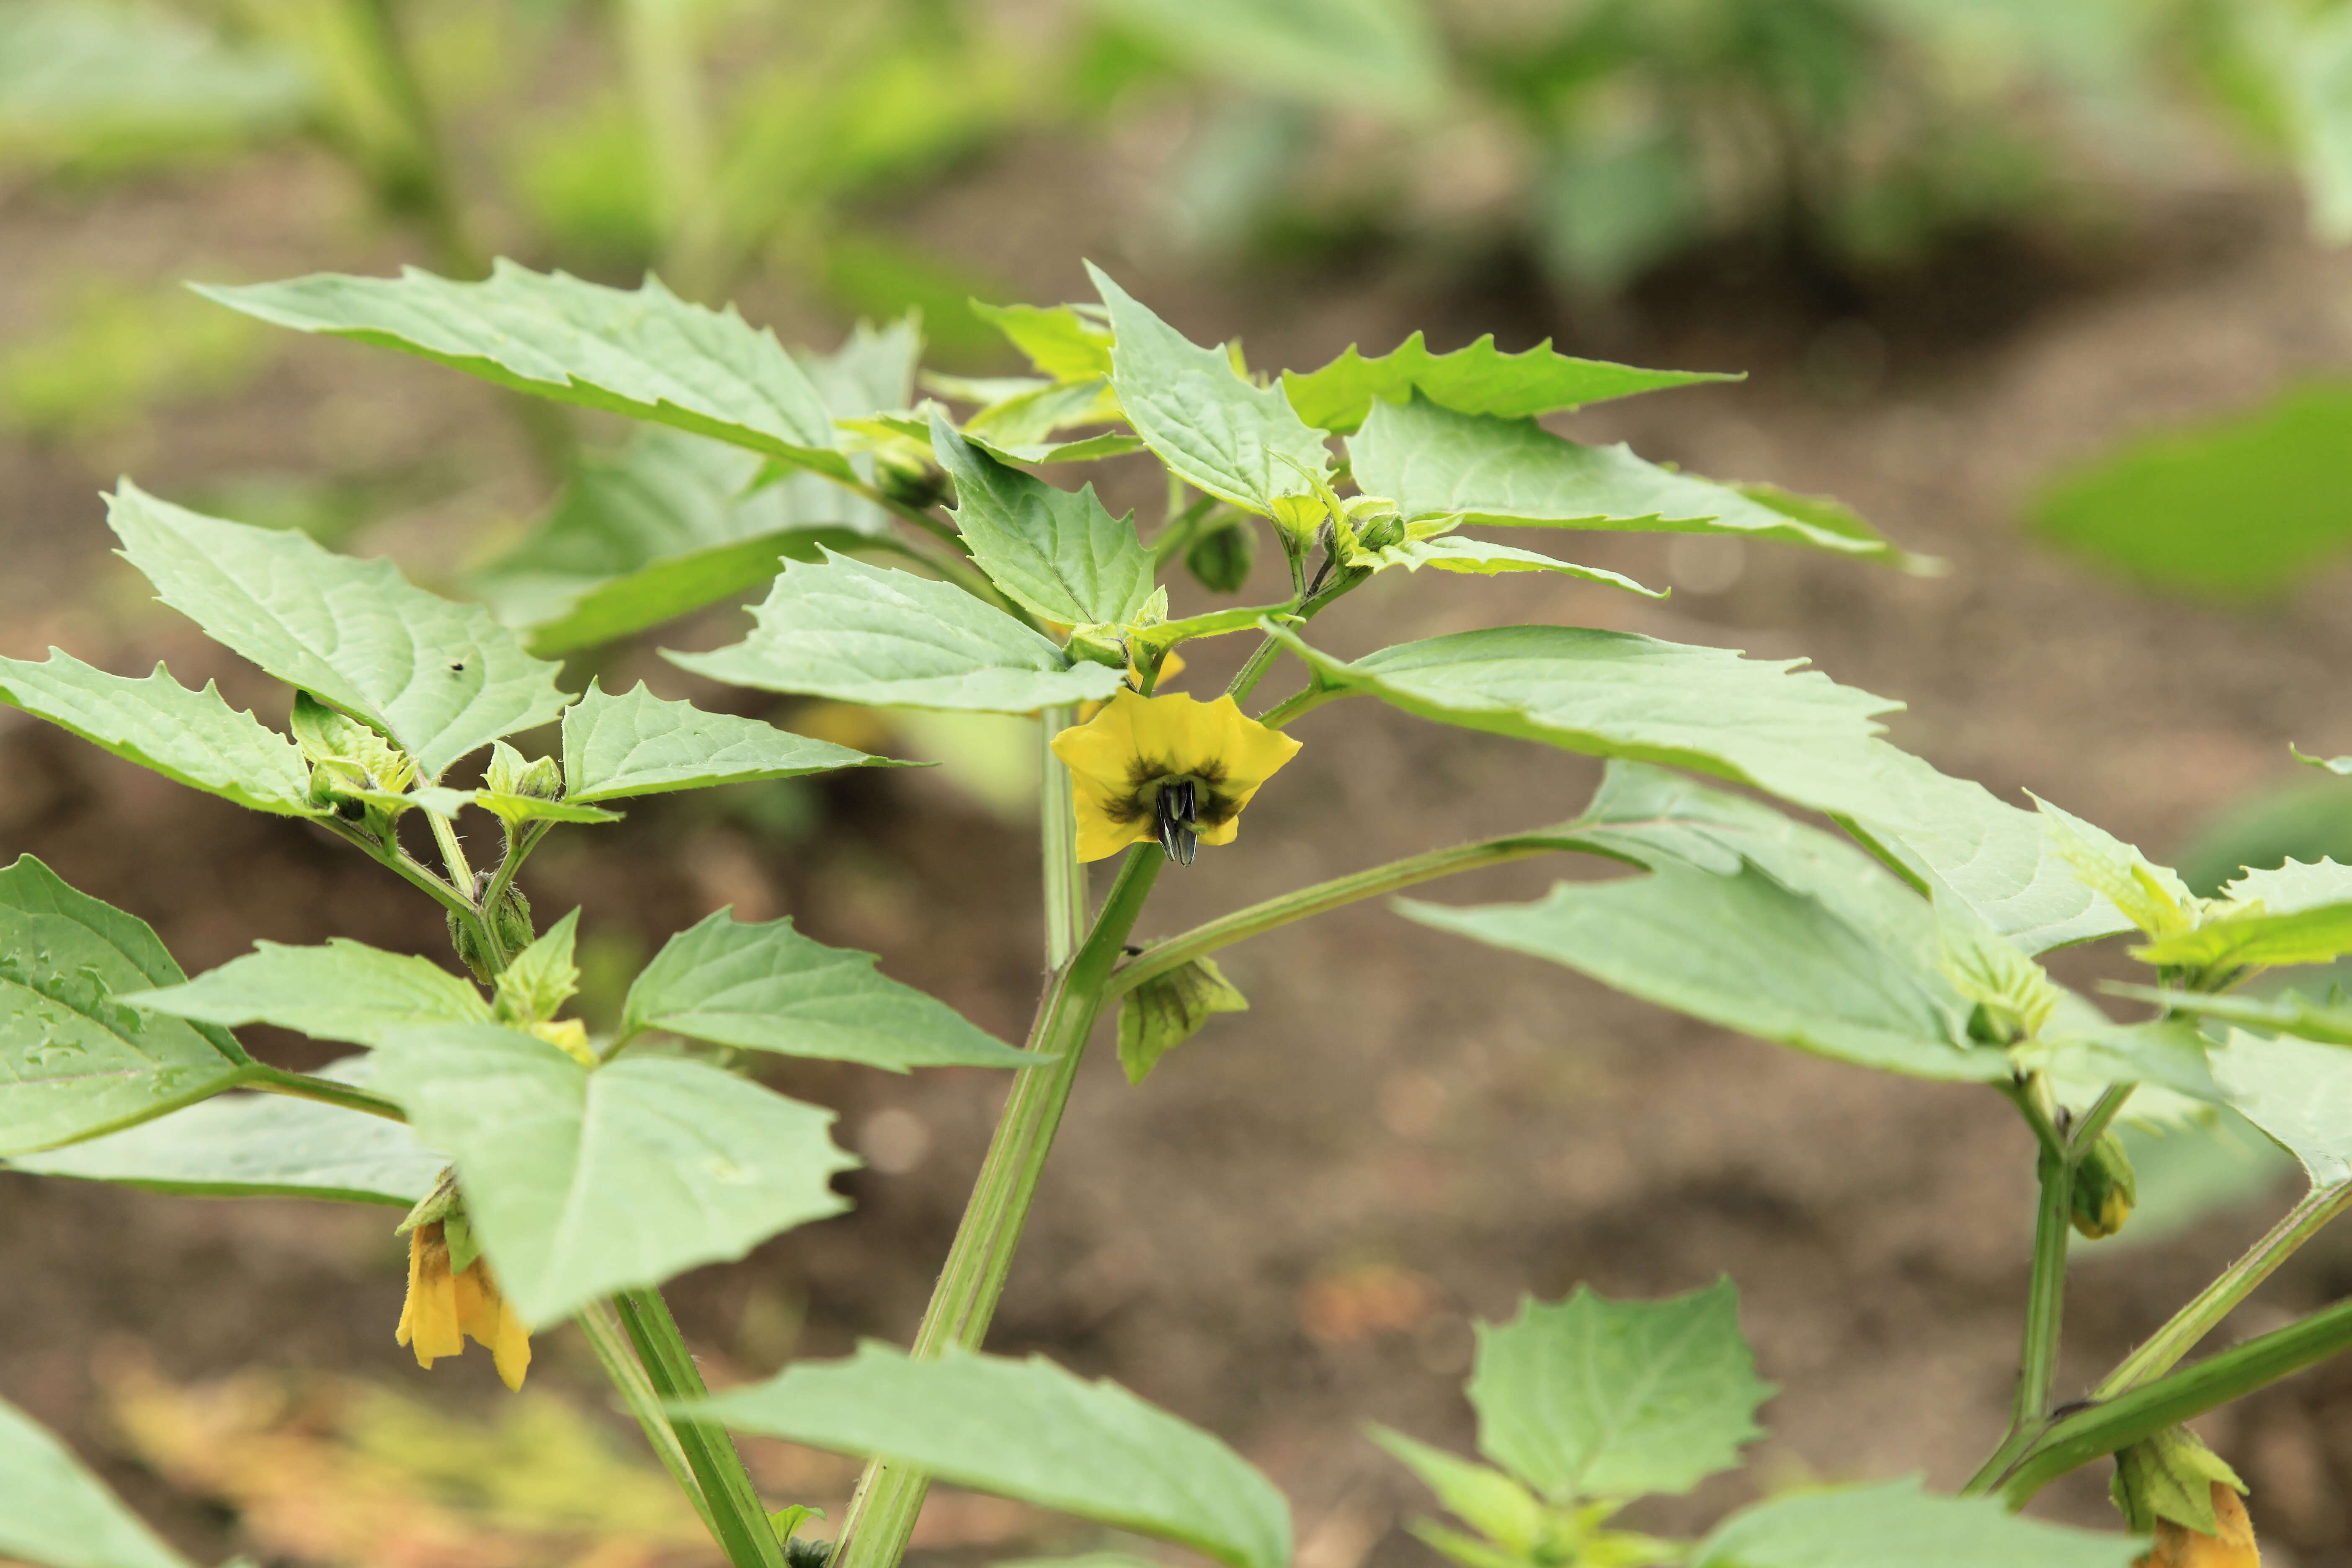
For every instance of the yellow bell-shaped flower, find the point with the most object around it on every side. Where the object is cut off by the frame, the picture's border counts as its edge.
(444, 1307)
(1169, 768)
(2178, 1546)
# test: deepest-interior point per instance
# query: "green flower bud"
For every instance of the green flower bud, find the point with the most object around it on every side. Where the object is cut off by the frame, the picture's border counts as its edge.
(1098, 644)
(1380, 533)
(907, 478)
(510, 919)
(2105, 1189)
(1222, 558)
(510, 773)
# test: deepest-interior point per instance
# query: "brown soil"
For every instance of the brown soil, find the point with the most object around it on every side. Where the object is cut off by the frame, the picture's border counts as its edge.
(1288, 1230)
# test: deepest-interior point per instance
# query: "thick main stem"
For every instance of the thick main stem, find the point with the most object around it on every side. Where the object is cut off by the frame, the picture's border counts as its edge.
(2045, 1303)
(735, 1514)
(881, 1516)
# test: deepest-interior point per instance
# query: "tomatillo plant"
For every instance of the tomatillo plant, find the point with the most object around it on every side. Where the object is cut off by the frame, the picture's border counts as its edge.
(550, 1174)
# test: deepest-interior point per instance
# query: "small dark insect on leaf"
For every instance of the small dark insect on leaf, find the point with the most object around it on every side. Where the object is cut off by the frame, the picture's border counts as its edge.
(457, 666)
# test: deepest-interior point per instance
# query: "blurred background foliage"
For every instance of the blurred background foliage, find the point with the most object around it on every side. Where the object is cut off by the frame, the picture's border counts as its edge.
(1581, 149)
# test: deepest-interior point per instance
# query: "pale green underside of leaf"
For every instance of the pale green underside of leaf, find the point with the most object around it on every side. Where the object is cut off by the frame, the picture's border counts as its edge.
(666, 525)
(646, 352)
(1479, 379)
(1029, 1430)
(259, 1145)
(581, 1184)
(1212, 429)
(2299, 1091)
(765, 987)
(1456, 553)
(2170, 1055)
(1878, 1526)
(1433, 462)
(637, 743)
(440, 678)
(1796, 734)
(75, 1061)
(56, 1514)
(194, 738)
(1059, 553)
(866, 634)
(2288, 1013)
(2000, 859)
(1590, 1397)
(1745, 953)
(344, 991)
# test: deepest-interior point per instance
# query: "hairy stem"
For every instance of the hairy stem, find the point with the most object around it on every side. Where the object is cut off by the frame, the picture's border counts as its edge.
(2182, 1395)
(881, 1516)
(2045, 1299)
(1176, 952)
(2217, 1300)
(602, 1325)
(737, 1520)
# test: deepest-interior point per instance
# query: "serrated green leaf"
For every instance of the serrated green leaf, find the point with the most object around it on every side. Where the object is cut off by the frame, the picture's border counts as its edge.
(440, 678)
(1435, 462)
(1029, 1430)
(637, 743)
(1871, 1527)
(2295, 914)
(1215, 430)
(580, 1184)
(54, 1513)
(538, 980)
(1060, 342)
(2299, 1091)
(1457, 552)
(1594, 1398)
(765, 987)
(194, 738)
(1479, 379)
(1798, 735)
(1059, 553)
(2001, 860)
(1168, 1010)
(666, 525)
(867, 634)
(1847, 972)
(259, 1145)
(1025, 426)
(644, 353)
(1487, 1498)
(76, 1060)
(514, 810)
(2152, 896)
(344, 991)
(1384, 55)
(2286, 1013)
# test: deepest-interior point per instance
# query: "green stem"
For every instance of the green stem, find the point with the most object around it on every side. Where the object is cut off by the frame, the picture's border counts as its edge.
(424, 187)
(1261, 658)
(1183, 527)
(452, 853)
(2189, 1325)
(602, 1326)
(517, 852)
(1057, 822)
(657, 46)
(406, 867)
(881, 1516)
(2183, 1395)
(326, 1091)
(2096, 1120)
(737, 1521)
(2045, 1299)
(1176, 952)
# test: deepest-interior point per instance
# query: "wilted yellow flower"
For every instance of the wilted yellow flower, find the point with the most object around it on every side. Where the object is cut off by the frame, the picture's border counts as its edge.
(443, 1308)
(2178, 1546)
(1168, 768)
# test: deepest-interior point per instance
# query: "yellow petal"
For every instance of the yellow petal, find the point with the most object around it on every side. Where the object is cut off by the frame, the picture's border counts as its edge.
(511, 1349)
(1135, 739)
(429, 1324)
